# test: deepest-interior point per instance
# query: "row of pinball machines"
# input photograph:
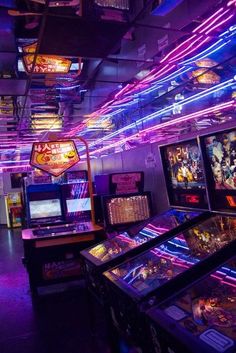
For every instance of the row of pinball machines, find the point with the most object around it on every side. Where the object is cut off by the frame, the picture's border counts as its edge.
(170, 285)
(59, 224)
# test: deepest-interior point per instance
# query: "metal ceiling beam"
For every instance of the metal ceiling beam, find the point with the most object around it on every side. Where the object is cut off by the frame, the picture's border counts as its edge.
(131, 24)
(41, 30)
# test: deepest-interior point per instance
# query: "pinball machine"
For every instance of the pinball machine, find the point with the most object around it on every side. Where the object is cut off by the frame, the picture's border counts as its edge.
(145, 280)
(138, 238)
(200, 318)
(202, 315)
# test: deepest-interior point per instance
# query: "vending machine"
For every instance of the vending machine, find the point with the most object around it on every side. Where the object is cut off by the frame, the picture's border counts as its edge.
(13, 203)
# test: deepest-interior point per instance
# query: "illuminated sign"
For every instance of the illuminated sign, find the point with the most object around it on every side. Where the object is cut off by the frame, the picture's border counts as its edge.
(47, 64)
(45, 124)
(126, 182)
(206, 62)
(231, 201)
(208, 77)
(45, 120)
(29, 49)
(192, 198)
(6, 107)
(99, 125)
(117, 4)
(54, 157)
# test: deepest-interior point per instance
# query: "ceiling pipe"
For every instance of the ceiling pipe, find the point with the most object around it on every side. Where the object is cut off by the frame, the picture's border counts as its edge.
(29, 81)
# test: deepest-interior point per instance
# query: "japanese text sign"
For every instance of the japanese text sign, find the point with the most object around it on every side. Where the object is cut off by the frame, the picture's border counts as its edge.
(54, 157)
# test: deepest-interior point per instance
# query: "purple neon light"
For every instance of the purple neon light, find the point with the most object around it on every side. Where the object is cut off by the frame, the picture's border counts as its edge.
(198, 29)
(188, 117)
(213, 21)
(232, 2)
(209, 25)
(155, 73)
(219, 24)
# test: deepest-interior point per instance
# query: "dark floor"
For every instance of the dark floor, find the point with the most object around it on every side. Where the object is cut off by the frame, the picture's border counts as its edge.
(57, 323)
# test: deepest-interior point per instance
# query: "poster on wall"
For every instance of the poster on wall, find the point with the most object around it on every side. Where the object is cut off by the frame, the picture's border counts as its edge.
(54, 157)
(125, 183)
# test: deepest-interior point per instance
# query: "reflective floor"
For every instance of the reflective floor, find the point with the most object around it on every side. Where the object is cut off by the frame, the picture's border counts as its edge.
(56, 323)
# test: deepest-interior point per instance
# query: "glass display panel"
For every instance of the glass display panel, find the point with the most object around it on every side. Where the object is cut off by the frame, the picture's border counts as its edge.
(124, 242)
(159, 265)
(208, 308)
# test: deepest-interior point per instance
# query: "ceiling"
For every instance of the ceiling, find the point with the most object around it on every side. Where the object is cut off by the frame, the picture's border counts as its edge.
(140, 71)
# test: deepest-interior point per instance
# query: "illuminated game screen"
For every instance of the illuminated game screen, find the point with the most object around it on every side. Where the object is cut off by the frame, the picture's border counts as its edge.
(76, 201)
(185, 166)
(78, 205)
(183, 169)
(219, 153)
(127, 209)
(45, 208)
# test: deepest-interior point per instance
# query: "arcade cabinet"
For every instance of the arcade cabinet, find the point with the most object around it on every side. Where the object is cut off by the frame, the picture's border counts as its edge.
(52, 254)
(13, 205)
(62, 217)
(124, 184)
(149, 278)
(153, 231)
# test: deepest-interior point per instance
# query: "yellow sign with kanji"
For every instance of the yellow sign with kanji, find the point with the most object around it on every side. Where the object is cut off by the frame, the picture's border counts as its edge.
(54, 157)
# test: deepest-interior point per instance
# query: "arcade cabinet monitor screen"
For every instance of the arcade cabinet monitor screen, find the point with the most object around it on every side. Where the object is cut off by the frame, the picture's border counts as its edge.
(16, 179)
(45, 208)
(125, 209)
(183, 169)
(76, 200)
(219, 152)
(126, 183)
(78, 205)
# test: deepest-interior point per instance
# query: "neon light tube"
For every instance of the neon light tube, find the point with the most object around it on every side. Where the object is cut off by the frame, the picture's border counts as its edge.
(169, 123)
(208, 20)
